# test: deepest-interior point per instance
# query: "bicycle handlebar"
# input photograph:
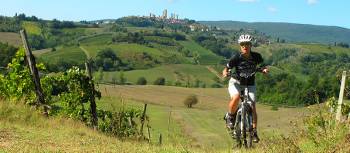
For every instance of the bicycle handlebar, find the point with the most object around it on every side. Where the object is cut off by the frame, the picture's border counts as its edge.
(247, 74)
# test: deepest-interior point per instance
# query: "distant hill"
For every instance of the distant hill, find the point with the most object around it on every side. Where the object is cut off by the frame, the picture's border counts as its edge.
(289, 31)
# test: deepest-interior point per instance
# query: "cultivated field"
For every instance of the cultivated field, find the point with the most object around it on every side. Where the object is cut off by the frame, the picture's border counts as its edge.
(171, 73)
(11, 38)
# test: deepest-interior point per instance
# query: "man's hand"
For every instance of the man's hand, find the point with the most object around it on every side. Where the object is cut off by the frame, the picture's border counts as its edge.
(225, 72)
(265, 70)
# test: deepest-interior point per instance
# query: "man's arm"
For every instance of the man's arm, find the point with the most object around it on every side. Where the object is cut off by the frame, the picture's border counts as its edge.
(233, 62)
(225, 72)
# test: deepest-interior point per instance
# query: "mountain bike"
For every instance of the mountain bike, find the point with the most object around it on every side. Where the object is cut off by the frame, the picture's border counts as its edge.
(243, 129)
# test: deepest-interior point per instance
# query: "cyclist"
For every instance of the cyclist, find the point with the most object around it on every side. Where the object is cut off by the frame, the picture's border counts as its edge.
(245, 61)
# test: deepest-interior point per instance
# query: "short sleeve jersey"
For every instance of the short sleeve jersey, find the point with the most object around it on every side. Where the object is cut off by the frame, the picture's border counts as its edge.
(245, 65)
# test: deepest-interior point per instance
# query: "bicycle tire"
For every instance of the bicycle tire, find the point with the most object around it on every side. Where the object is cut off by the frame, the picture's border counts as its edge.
(249, 130)
(237, 135)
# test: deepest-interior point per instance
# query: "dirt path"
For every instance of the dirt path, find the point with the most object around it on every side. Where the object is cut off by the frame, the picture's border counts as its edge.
(86, 52)
(215, 72)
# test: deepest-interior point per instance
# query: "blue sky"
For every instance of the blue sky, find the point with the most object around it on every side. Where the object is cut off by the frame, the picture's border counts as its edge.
(318, 12)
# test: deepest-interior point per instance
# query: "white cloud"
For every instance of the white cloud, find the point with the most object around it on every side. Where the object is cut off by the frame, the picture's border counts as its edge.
(248, 1)
(272, 9)
(312, 2)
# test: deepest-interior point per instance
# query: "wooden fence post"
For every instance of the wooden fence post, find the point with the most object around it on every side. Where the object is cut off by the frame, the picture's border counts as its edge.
(34, 71)
(341, 96)
(160, 139)
(93, 112)
(149, 134)
(143, 118)
(169, 121)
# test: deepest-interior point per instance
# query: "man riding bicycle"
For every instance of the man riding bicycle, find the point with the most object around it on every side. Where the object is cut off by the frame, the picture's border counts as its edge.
(245, 61)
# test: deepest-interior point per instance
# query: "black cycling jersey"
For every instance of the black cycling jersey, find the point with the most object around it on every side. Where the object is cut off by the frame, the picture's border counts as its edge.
(243, 65)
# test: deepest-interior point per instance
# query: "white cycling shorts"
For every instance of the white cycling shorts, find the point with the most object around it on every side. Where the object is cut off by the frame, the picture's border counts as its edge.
(234, 88)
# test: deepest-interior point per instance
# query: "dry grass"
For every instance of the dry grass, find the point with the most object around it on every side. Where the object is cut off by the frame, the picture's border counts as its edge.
(11, 38)
(22, 129)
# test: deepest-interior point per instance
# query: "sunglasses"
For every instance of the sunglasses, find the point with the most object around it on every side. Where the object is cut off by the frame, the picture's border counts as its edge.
(245, 44)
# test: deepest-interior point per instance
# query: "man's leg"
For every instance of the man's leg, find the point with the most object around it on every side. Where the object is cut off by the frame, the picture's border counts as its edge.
(233, 89)
(230, 116)
(232, 107)
(255, 117)
(254, 113)
(255, 125)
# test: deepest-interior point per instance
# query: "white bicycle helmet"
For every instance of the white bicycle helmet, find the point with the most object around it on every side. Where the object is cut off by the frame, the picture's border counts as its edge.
(245, 38)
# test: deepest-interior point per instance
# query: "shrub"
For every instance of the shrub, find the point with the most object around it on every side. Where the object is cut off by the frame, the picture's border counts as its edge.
(122, 78)
(159, 81)
(191, 100)
(216, 85)
(274, 107)
(141, 81)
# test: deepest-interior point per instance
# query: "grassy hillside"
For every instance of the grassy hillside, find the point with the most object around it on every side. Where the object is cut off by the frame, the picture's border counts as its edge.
(282, 130)
(63, 58)
(24, 130)
(97, 39)
(205, 56)
(32, 27)
(290, 31)
(203, 124)
(65, 53)
(94, 44)
(172, 73)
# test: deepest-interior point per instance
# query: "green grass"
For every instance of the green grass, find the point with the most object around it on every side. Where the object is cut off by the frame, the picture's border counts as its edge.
(94, 30)
(95, 43)
(138, 29)
(319, 48)
(171, 73)
(41, 51)
(127, 52)
(101, 39)
(171, 133)
(31, 27)
(206, 56)
(122, 49)
(69, 54)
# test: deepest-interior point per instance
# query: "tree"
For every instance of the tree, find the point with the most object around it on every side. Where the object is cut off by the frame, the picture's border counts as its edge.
(114, 79)
(6, 53)
(159, 81)
(141, 81)
(344, 45)
(122, 79)
(99, 76)
(107, 59)
(190, 101)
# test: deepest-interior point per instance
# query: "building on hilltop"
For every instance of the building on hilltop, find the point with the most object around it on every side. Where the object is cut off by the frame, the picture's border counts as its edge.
(165, 14)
